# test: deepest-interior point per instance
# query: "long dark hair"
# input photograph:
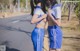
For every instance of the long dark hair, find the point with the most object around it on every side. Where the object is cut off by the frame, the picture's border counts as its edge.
(35, 2)
(48, 4)
(53, 2)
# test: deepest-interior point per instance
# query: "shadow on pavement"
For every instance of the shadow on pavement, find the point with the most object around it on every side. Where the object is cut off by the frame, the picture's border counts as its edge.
(11, 49)
(14, 29)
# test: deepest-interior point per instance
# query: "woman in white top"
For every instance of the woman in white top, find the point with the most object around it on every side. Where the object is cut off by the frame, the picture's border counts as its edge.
(38, 18)
(54, 23)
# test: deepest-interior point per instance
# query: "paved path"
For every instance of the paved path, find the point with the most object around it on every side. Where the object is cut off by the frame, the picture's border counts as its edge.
(15, 33)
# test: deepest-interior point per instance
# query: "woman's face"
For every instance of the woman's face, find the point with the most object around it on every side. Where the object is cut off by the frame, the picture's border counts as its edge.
(53, 2)
(48, 3)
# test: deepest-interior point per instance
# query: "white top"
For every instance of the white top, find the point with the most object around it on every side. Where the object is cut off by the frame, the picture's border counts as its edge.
(56, 11)
(38, 11)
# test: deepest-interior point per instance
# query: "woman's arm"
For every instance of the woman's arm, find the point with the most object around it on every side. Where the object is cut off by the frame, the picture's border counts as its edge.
(56, 21)
(46, 25)
(35, 18)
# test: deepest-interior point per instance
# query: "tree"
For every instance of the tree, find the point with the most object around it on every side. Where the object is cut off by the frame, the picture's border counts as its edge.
(69, 5)
(18, 5)
(77, 11)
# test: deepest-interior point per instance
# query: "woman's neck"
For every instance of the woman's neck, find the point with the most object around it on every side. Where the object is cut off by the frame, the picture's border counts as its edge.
(39, 4)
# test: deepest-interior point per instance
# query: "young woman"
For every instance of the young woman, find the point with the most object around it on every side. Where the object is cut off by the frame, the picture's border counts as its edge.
(38, 33)
(33, 3)
(54, 23)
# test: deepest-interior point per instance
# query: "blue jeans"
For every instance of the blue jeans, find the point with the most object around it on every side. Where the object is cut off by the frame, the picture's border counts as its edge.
(55, 37)
(37, 39)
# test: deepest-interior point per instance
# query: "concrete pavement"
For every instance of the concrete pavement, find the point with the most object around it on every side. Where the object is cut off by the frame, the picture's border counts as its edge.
(15, 33)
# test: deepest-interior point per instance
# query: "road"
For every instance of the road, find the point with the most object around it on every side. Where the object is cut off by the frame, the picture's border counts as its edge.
(15, 33)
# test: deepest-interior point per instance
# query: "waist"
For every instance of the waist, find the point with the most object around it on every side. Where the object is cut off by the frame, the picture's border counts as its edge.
(40, 25)
(39, 28)
(54, 26)
(50, 23)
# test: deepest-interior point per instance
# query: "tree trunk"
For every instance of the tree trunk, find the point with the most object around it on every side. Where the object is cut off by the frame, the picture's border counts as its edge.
(59, 1)
(27, 5)
(69, 13)
(79, 20)
(18, 5)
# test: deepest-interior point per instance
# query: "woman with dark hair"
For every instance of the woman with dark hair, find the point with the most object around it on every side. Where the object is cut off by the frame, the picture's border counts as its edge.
(33, 3)
(54, 23)
(39, 18)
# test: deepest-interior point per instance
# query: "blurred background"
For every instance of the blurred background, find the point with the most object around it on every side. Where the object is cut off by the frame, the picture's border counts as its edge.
(13, 6)
(15, 27)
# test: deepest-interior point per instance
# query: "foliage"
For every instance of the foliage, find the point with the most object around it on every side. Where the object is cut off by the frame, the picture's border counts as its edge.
(23, 3)
(77, 10)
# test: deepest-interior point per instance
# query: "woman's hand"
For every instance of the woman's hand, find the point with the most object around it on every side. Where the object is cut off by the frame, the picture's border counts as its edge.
(35, 18)
(49, 13)
(44, 16)
(56, 21)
